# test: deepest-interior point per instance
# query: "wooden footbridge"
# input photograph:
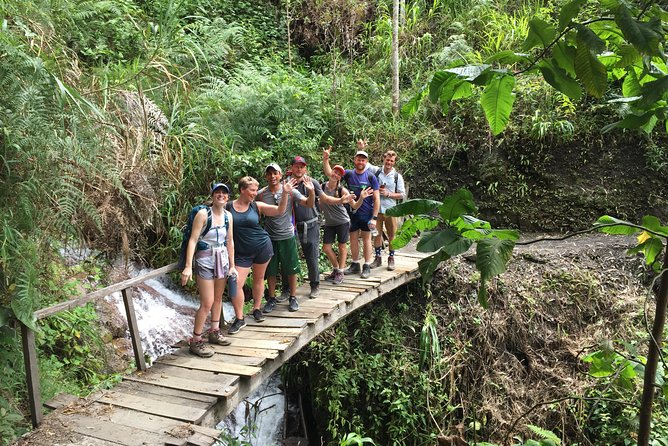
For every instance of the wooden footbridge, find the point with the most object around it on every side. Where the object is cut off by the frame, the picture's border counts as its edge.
(180, 399)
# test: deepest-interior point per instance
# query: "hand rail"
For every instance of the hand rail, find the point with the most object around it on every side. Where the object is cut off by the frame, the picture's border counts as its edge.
(28, 335)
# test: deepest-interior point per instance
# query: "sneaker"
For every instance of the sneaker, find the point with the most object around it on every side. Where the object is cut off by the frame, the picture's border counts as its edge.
(354, 268)
(330, 277)
(390, 263)
(237, 325)
(285, 294)
(200, 349)
(366, 271)
(377, 262)
(269, 306)
(338, 278)
(293, 305)
(257, 314)
(315, 292)
(216, 337)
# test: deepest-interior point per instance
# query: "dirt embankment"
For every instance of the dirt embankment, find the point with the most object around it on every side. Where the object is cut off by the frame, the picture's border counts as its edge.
(558, 301)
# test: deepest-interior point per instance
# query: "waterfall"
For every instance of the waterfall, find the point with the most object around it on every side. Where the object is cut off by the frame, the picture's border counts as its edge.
(165, 315)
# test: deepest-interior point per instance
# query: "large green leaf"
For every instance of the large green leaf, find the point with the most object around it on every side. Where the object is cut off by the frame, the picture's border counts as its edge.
(651, 248)
(467, 222)
(22, 305)
(620, 226)
(631, 121)
(410, 107)
(492, 256)
(645, 36)
(590, 70)
(654, 224)
(457, 204)
(469, 72)
(413, 207)
(483, 233)
(564, 56)
(448, 90)
(589, 39)
(568, 12)
(559, 79)
(631, 87)
(436, 85)
(507, 57)
(540, 33)
(652, 92)
(428, 265)
(628, 56)
(497, 101)
(410, 228)
(448, 239)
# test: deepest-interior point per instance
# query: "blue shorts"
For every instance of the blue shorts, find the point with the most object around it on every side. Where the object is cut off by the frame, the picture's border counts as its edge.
(262, 255)
(360, 222)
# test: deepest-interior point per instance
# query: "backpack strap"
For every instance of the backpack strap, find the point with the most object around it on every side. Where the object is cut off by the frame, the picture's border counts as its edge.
(209, 220)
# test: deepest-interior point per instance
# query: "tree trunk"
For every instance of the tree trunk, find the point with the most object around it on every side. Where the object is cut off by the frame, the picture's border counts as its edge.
(648, 390)
(395, 57)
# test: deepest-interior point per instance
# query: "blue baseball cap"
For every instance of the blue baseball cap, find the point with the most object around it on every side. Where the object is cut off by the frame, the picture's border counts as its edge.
(219, 185)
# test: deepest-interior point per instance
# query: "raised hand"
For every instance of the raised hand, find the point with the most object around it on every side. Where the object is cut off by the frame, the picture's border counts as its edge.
(308, 184)
(326, 152)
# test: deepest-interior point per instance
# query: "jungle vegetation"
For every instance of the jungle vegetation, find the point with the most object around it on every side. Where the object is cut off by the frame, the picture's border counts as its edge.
(115, 116)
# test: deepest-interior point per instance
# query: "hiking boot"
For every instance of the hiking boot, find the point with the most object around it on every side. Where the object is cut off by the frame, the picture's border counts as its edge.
(338, 278)
(354, 268)
(257, 314)
(330, 277)
(292, 304)
(200, 349)
(390, 263)
(315, 292)
(269, 306)
(377, 262)
(216, 337)
(366, 271)
(237, 325)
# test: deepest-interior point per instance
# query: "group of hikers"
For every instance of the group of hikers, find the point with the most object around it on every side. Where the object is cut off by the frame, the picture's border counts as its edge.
(261, 230)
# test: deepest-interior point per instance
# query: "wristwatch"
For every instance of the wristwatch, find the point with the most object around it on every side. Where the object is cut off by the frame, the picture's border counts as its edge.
(375, 217)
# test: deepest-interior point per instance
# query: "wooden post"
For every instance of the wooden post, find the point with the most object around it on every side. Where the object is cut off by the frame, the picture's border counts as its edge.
(32, 374)
(134, 331)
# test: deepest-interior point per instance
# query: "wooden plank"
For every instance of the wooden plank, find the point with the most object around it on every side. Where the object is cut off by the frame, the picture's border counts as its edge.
(140, 362)
(271, 334)
(162, 408)
(152, 423)
(212, 366)
(260, 343)
(245, 352)
(116, 433)
(32, 374)
(158, 393)
(277, 322)
(203, 376)
(44, 312)
(172, 382)
(61, 400)
(223, 355)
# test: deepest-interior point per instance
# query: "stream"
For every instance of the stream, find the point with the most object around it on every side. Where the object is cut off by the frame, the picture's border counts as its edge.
(165, 316)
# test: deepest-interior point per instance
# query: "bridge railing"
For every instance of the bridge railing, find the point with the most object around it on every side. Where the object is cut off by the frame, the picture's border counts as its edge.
(28, 335)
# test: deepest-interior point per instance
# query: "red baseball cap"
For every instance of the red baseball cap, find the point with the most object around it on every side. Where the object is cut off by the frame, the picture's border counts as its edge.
(298, 159)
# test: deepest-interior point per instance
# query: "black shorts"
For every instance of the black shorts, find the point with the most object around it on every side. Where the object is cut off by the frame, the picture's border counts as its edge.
(262, 255)
(339, 232)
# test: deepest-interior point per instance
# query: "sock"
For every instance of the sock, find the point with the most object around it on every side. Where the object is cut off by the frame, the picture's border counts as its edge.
(215, 325)
(196, 337)
(391, 253)
(378, 250)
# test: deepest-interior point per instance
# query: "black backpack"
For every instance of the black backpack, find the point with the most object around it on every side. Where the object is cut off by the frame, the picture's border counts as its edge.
(187, 230)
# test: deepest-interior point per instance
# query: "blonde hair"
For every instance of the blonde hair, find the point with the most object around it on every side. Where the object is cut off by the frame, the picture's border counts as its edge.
(389, 153)
(247, 181)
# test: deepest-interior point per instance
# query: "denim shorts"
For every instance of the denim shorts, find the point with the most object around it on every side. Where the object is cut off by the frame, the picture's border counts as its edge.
(360, 222)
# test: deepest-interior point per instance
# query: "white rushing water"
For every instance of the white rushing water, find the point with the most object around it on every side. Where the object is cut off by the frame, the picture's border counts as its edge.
(165, 316)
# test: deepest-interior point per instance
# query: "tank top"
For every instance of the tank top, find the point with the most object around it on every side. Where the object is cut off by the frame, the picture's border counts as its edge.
(249, 237)
(216, 256)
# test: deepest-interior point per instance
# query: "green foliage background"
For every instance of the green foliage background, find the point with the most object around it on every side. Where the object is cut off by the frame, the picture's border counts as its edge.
(115, 115)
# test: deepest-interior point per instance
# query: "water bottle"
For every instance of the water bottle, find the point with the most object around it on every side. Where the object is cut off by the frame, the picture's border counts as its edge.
(232, 285)
(374, 232)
